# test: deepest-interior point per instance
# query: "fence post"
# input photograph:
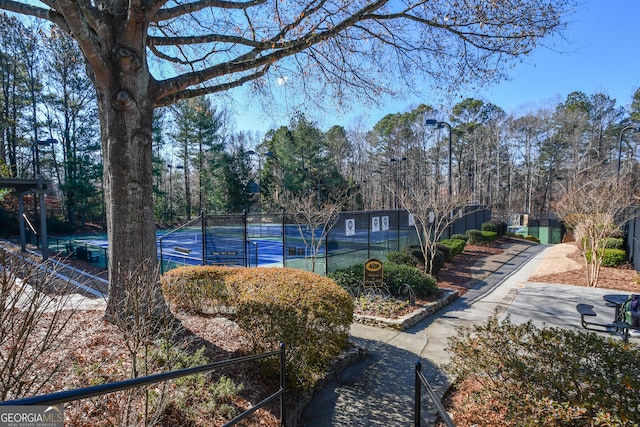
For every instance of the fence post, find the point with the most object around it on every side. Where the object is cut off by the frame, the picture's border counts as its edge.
(203, 227)
(284, 240)
(245, 238)
(398, 228)
(368, 234)
(283, 397)
(418, 388)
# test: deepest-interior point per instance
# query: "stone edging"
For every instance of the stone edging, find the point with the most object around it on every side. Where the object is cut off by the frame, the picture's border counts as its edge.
(408, 320)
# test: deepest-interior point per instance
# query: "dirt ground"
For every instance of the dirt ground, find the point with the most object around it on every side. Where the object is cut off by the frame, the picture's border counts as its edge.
(96, 350)
(563, 264)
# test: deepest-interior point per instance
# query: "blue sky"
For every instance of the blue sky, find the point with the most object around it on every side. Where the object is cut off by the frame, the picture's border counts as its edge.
(600, 52)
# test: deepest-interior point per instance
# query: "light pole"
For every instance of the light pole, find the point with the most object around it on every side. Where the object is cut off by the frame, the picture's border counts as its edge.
(635, 127)
(440, 125)
(36, 161)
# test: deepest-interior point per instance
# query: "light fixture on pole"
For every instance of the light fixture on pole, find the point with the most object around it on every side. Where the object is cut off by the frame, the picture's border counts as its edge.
(440, 125)
(635, 127)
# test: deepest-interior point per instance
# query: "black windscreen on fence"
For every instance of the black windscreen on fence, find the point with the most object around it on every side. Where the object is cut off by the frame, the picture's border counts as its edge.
(287, 240)
(225, 238)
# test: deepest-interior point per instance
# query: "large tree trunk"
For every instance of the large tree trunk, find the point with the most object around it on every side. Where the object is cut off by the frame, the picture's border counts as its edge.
(126, 142)
(125, 102)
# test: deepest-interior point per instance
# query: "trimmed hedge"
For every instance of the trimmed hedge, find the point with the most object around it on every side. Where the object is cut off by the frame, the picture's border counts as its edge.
(309, 312)
(196, 288)
(459, 236)
(477, 237)
(489, 226)
(610, 257)
(455, 247)
(497, 226)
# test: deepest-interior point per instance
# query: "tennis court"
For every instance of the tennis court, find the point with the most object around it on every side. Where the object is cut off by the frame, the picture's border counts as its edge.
(276, 240)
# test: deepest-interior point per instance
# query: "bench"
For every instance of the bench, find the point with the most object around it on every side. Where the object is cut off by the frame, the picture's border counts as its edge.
(86, 255)
(585, 310)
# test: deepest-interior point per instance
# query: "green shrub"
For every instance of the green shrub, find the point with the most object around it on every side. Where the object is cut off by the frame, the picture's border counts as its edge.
(459, 236)
(400, 257)
(196, 288)
(489, 236)
(610, 257)
(489, 226)
(309, 312)
(498, 226)
(532, 238)
(455, 247)
(445, 250)
(397, 275)
(349, 278)
(613, 243)
(416, 252)
(549, 376)
(474, 237)
(477, 237)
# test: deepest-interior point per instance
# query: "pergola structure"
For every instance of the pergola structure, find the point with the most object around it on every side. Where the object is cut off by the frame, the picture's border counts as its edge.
(22, 186)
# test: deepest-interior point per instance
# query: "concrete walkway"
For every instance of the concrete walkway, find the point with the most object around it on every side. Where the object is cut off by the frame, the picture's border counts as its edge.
(379, 390)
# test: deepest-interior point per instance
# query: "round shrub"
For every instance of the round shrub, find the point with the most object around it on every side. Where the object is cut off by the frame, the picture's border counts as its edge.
(459, 236)
(445, 250)
(474, 237)
(397, 275)
(400, 257)
(489, 226)
(196, 288)
(489, 236)
(309, 312)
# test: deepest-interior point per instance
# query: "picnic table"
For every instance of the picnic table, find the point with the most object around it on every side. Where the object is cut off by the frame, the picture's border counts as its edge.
(619, 323)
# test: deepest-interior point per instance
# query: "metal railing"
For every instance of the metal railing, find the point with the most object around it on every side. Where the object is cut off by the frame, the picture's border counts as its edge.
(421, 381)
(102, 389)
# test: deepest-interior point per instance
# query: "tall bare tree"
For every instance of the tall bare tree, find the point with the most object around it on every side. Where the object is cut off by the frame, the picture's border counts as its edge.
(433, 212)
(350, 47)
(594, 206)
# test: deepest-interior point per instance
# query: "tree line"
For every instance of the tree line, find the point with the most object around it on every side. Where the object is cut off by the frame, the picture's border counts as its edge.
(512, 163)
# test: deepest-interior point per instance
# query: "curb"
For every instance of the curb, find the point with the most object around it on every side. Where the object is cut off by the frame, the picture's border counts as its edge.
(408, 320)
